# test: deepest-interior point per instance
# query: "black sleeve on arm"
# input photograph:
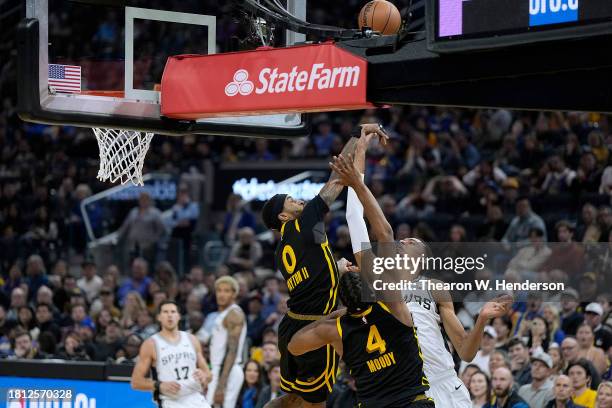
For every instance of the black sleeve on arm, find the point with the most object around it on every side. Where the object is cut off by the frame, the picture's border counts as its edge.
(311, 224)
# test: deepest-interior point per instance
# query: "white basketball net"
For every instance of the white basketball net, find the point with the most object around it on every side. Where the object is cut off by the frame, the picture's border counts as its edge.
(122, 154)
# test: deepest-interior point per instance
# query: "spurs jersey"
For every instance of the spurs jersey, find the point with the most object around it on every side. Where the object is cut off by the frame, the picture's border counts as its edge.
(424, 309)
(177, 362)
(218, 339)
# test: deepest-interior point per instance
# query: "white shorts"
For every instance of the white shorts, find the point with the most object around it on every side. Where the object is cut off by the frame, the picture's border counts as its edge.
(195, 400)
(449, 392)
(232, 389)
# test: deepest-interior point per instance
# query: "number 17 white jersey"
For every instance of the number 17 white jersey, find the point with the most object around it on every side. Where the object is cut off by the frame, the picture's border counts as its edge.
(177, 362)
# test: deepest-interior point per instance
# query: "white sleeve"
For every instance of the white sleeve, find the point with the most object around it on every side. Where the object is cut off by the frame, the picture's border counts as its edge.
(356, 223)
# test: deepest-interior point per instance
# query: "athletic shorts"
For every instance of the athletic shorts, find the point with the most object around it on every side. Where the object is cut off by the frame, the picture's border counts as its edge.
(449, 392)
(195, 400)
(311, 375)
(232, 389)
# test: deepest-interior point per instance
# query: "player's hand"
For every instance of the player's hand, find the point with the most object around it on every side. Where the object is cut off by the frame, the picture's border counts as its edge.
(202, 377)
(170, 388)
(348, 175)
(497, 307)
(372, 129)
(219, 395)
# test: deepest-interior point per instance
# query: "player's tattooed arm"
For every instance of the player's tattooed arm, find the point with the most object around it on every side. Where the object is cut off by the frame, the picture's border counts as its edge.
(234, 322)
(331, 190)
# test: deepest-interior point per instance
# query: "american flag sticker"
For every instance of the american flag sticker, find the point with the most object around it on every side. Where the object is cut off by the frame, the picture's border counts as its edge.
(64, 78)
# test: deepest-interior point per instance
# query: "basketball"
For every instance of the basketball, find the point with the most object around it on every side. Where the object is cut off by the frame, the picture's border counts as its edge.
(381, 16)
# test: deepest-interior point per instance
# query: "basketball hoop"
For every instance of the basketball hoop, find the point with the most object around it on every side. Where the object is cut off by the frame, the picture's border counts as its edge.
(122, 154)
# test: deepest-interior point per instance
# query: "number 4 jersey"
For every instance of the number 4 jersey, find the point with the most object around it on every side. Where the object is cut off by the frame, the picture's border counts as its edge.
(177, 362)
(383, 356)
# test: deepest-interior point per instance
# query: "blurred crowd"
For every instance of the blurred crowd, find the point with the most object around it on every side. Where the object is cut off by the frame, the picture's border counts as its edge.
(457, 175)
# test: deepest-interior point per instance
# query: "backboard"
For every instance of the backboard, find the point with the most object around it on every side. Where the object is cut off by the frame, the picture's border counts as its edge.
(98, 63)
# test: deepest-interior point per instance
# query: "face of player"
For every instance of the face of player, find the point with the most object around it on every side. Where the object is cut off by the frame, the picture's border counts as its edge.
(502, 382)
(478, 385)
(604, 397)
(169, 317)
(563, 388)
(225, 295)
(293, 207)
(251, 373)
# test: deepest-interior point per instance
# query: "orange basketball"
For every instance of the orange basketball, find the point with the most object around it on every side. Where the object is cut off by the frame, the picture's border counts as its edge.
(381, 16)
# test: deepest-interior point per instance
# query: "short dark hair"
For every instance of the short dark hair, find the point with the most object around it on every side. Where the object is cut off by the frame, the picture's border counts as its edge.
(167, 302)
(271, 209)
(516, 340)
(48, 306)
(349, 292)
(564, 223)
(537, 231)
(582, 363)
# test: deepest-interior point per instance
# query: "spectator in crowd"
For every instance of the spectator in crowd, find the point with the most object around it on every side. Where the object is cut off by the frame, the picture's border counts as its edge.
(554, 351)
(139, 281)
(270, 354)
(143, 229)
(487, 345)
(580, 374)
(570, 352)
(44, 319)
(540, 390)
(570, 317)
(593, 314)
(467, 373)
(566, 255)
(551, 314)
(107, 346)
(323, 139)
(90, 282)
(25, 320)
(604, 395)
(128, 352)
(503, 329)
(559, 177)
(73, 348)
(23, 347)
(246, 252)
(237, 216)
(182, 222)
(504, 395)
(36, 275)
(480, 389)
(18, 299)
(519, 361)
(255, 320)
(531, 257)
(165, 277)
(588, 230)
(563, 391)
(524, 221)
(539, 335)
(196, 274)
(134, 304)
(252, 386)
(273, 390)
(499, 358)
(588, 350)
(271, 297)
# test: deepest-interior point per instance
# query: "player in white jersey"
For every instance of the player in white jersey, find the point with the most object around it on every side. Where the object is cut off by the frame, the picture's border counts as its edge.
(429, 314)
(226, 346)
(433, 310)
(182, 372)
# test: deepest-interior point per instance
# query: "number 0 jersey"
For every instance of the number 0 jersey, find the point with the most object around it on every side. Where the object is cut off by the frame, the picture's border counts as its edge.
(305, 259)
(176, 362)
(383, 356)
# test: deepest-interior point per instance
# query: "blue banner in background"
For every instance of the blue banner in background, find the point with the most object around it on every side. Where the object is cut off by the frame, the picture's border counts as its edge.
(544, 12)
(85, 394)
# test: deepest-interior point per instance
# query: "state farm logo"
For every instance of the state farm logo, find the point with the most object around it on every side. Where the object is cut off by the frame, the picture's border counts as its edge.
(240, 85)
(272, 81)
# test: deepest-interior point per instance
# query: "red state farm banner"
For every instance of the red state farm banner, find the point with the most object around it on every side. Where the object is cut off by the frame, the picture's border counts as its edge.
(307, 78)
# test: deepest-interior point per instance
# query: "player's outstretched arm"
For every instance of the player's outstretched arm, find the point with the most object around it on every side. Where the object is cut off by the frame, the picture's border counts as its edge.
(468, 343)
(317, 334)
(331, 190)
(234, 321)
(349, 176)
